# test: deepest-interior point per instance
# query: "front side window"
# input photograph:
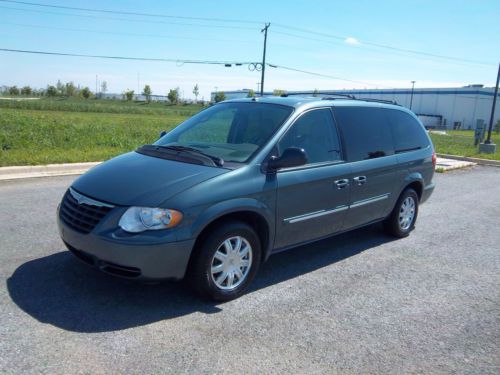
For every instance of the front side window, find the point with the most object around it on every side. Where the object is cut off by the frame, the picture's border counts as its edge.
(366, 132)
(315, 132)
(230, 131)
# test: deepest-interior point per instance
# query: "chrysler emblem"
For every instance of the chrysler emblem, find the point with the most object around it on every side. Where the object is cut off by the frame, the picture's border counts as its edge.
(82, 199)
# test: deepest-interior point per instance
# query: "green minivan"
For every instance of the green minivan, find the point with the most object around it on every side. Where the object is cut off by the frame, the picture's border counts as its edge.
(216, 196)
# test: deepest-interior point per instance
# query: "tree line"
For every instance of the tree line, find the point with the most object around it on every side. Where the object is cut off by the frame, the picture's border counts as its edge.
(69, 89)
(60, 89)
(173, 95)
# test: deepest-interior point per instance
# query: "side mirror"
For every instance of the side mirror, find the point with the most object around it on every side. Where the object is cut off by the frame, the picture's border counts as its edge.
(164, 132)
(292, 157)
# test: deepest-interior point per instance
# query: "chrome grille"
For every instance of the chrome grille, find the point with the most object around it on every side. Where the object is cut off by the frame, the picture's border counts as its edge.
(82, 213)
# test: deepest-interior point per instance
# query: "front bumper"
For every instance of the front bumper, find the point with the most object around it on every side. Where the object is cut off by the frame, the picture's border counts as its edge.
(131, 257)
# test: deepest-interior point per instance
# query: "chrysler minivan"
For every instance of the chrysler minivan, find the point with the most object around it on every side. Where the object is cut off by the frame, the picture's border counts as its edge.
(216, 196)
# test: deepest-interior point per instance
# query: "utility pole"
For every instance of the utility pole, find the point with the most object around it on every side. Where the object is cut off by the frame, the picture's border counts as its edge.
(489, 147)
(96, 86)
(411, 97)
(264, 30)
(492, 117)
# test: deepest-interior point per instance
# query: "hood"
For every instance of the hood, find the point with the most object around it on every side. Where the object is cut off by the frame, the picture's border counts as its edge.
(134, 179)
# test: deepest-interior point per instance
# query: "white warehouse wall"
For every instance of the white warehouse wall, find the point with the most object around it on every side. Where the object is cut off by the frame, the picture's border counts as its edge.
(465, 105)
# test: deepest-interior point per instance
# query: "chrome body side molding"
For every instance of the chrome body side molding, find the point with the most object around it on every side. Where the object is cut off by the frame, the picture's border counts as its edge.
(315, 214)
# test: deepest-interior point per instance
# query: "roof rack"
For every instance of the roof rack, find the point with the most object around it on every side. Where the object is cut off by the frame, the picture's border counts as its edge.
(330, 96)
(336, 96)
(379, 101)
(333, 96)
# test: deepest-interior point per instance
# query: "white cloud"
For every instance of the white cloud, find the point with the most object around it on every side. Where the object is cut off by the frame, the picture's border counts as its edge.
(351, 40)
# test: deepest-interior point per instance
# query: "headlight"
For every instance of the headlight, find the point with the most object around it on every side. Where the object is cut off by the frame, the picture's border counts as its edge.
(140, 219)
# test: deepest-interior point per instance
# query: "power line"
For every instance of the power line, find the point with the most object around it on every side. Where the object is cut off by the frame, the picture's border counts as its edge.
(380, 45)
(131, 20)
(308, 38)
(189, 38)
(377, 50)
(127, 34)
(131, 13)
(331, 36)
(184, 61)
(178, 61)
(201, 62)
(323, 75)
(341, 39)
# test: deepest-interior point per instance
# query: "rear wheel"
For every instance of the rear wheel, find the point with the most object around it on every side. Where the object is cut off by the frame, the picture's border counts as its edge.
(226, 261)
(402, 219)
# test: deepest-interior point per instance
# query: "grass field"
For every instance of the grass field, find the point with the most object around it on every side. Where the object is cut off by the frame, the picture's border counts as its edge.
(48, 131)
(461, 142)
(100, 106)
(80, 130)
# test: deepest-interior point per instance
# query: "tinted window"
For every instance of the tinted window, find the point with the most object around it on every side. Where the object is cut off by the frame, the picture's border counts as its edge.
(407, 132)
(231, 131)
(366, 132)
(315, 132)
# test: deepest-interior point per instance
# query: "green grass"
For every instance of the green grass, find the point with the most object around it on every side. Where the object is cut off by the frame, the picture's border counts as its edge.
(461, 142)
(31, 137)
(48, 131)
(100, 106)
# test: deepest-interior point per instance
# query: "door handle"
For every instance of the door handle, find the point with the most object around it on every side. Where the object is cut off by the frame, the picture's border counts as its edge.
(342, 183)
(359, 180)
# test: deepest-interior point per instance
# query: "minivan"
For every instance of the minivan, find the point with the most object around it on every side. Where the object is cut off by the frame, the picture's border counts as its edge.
(243, 179)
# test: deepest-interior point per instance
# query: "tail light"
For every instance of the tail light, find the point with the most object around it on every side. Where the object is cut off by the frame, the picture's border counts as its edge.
(434, 159)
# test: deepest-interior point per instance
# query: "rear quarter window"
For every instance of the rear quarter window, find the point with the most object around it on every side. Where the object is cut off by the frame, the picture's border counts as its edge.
(366, 132)
(408, 134)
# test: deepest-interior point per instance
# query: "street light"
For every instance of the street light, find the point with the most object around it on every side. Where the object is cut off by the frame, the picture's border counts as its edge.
(411, 97)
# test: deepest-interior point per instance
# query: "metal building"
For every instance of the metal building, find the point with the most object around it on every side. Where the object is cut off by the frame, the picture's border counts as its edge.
(450, 108)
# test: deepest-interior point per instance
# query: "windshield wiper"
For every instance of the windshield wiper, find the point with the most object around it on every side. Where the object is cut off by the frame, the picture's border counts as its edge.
(217, 161)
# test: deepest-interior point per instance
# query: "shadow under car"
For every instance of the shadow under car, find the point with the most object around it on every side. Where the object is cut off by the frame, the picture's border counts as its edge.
(59, 290)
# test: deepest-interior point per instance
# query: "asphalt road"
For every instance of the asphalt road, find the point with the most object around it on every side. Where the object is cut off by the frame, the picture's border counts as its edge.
(358, 303)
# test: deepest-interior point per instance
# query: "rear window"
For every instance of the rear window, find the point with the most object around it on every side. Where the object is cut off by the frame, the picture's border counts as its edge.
(408, 134)
(366, 132)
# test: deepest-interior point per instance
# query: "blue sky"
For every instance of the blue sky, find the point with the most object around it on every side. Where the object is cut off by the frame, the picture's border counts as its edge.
(466, 30)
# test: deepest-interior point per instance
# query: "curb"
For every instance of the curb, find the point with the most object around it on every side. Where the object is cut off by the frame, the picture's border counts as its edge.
(444, 165)
(31, 171)
(479, 161)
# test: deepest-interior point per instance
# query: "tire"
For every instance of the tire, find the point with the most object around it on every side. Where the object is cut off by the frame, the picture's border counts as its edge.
(402, 219)
(210, 272)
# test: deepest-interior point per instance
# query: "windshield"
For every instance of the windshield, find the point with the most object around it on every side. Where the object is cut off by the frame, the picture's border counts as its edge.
(232, 132)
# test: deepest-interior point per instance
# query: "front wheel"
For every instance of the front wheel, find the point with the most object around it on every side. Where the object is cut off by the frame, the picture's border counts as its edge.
(402, 219)
(225, 262)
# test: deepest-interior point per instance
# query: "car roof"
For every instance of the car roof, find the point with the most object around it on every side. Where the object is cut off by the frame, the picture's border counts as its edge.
(312, 102)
